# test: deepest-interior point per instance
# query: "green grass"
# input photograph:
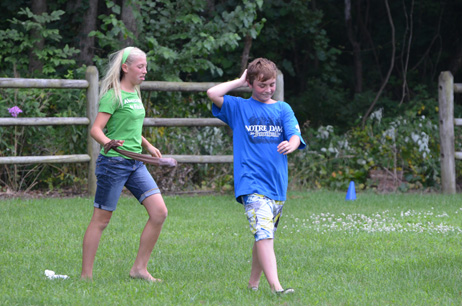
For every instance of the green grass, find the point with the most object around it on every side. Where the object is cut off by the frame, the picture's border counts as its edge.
(376, 250)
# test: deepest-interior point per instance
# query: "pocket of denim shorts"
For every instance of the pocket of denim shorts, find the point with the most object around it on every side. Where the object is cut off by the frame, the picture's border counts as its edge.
(115, 159)
(107, 165)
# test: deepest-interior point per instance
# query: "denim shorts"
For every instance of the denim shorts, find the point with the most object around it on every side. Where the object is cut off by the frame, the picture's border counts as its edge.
(263, 215)
(113, 173)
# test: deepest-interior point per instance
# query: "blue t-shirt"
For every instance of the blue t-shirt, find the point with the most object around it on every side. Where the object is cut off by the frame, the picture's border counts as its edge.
(258, 129)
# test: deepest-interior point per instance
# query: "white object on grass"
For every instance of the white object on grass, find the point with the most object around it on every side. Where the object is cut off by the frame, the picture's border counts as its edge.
(52, 275)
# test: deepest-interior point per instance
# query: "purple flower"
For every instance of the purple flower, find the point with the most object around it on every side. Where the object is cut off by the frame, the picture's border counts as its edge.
(14, 111)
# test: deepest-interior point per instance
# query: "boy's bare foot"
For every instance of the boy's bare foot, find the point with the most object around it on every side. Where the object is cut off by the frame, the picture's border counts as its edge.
(86, 278)
(145, 276)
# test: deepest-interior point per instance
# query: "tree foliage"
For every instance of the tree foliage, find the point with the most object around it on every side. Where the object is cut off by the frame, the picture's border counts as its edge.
(312, 42)
(342, 60)
(17, 40)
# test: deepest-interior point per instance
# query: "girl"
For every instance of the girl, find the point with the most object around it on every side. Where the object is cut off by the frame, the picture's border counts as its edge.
(122, 113)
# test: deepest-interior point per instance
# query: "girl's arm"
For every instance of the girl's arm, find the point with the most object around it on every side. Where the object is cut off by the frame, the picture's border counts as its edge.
(150, 148)
(97, 129)
(217, 92)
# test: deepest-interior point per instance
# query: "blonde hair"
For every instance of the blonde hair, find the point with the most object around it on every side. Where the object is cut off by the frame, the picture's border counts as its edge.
(261, 69)
(114, 73)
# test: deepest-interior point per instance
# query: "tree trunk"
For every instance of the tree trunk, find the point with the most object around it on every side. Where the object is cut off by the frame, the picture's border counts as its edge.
(363, 21)
(38, 7)
(210, 8)
(128, 18)
(405, 64)
(86, 43)
(246, 52)
(456, 62)
(358, 66)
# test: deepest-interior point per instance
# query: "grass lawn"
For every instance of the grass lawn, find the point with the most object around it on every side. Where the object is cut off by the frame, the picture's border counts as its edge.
(377, 250)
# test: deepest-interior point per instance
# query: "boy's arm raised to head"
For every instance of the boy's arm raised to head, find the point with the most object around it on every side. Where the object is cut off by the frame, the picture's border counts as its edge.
(217, 92)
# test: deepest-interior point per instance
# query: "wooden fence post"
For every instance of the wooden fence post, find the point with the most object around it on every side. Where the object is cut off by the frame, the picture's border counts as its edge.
(446, 123)
(92, 76)
(279, 93)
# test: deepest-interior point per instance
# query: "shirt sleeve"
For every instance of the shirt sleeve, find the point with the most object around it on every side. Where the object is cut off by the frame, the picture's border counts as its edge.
(225, 113)
(291, 126)
(107, 104)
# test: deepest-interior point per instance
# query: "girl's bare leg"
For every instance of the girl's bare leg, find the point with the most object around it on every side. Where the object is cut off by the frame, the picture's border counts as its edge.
(157, 212)
(98, 223)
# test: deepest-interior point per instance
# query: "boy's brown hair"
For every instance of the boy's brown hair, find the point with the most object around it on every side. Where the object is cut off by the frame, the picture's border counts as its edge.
(261, 69)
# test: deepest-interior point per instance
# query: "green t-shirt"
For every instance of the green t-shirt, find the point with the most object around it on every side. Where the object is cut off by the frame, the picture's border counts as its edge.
(126, 123)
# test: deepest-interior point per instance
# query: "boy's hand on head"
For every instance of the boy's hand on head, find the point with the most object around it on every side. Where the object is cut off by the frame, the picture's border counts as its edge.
(243, 78)
(286, 147)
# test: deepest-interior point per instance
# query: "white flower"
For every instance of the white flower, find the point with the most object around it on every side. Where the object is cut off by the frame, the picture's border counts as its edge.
(390, 133)
(377, 115)
(324, 131)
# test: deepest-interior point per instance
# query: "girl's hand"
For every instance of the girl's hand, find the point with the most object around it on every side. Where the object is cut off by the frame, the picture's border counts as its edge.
(120, 142)
(154, 151)
(112, 145)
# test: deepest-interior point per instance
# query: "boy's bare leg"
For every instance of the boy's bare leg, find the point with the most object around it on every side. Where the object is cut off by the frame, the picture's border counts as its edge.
(157, 212)
(98, 223)
(267, 260)
(255, 273)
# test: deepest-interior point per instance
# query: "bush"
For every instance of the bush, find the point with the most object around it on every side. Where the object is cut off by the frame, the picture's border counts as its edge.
(407, 144)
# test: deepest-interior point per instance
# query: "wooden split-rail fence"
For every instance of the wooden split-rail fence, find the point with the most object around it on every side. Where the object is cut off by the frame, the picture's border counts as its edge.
(91, 84)
(448, 155)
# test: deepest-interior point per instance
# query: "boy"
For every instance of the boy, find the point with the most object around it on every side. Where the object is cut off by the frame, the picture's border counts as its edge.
(264, 132)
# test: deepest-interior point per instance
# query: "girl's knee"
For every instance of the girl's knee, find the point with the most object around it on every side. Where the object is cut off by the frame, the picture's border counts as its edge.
(104, 224)
(96, 226)
(101, 224)
(156, 208)
(101, 219)
(158, 214)
(162, 215)
(157, 220)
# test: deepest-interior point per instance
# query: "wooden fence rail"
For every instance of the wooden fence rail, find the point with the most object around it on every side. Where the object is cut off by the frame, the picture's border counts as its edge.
(446, 90)
(91, 84)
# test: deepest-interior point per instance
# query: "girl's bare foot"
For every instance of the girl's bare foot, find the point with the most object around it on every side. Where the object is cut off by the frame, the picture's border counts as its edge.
(86, 278)
(145, 276)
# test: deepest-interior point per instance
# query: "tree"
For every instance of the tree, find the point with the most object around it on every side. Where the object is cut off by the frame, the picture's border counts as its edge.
(180, 38)
(390, 69)
(129, 11)
(87, 42)
(38, 7)
(356, 46)
(334, 57)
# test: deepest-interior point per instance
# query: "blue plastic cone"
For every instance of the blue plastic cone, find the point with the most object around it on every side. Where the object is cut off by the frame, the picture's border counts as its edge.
(351, 193)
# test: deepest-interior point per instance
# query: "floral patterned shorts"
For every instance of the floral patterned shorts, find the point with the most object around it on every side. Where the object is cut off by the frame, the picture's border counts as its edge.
(263, 214)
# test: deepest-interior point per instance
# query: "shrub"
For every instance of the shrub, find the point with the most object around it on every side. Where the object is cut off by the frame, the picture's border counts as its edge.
(407, 143)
